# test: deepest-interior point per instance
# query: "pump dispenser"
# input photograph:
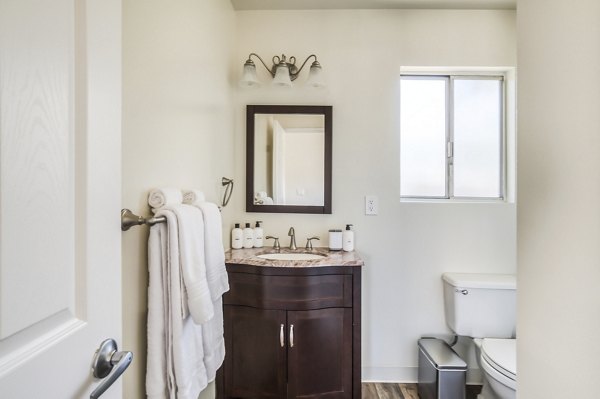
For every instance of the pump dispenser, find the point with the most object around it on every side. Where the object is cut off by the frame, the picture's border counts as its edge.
(237, 237)
(258, 235)
(348, 239)
(248, 236)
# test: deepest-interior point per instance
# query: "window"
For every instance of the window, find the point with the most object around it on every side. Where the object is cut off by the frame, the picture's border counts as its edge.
(452, 137)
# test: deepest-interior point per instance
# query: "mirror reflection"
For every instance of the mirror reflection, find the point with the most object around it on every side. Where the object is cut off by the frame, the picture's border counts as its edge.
(289, 159)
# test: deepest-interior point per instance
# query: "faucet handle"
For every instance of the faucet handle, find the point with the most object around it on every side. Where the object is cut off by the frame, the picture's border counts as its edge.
(275, 243)
(309, 242)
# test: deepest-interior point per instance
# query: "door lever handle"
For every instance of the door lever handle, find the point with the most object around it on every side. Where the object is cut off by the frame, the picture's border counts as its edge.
(108, 359)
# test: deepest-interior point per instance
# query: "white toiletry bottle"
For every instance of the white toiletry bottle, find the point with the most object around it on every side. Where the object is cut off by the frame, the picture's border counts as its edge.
(248, 236)
(258, 235)
(237, 237)
(348, 239)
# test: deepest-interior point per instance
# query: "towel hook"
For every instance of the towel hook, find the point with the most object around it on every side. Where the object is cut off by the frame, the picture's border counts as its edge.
(228, 184)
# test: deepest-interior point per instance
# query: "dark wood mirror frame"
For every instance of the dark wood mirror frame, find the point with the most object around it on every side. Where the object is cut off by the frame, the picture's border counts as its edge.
(251, 111)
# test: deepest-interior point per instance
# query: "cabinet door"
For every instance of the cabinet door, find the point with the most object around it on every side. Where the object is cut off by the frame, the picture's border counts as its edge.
(255, 343)
(320, 353)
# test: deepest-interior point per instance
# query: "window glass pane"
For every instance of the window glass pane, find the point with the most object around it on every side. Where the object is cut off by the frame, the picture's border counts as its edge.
(423, 137)
(477, 138)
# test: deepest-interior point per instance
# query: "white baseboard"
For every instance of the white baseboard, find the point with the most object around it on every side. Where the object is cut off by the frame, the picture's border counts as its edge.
(390, 374)
(407, 375)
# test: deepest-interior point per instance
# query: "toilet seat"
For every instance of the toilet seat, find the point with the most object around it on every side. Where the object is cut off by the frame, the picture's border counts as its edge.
(499, 360)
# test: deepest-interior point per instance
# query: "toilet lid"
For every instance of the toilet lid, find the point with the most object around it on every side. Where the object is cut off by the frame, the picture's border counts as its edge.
(502, 355)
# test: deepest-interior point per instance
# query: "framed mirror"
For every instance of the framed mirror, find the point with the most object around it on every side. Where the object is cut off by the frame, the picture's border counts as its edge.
(288, 158)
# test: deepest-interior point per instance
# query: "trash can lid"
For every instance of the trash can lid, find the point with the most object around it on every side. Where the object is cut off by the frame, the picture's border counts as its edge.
(441, 354)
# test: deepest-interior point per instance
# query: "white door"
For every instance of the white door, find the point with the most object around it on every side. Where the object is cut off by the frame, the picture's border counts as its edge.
(60, 192)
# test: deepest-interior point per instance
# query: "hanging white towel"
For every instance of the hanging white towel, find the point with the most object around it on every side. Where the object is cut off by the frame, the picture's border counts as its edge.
(213, 341)
(214, 253)
(218, 283)
(186, 344)
(156, 366)
(183, 356)
(192, 262)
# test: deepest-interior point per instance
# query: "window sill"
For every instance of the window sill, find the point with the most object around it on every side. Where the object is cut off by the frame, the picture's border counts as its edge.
(453, 201)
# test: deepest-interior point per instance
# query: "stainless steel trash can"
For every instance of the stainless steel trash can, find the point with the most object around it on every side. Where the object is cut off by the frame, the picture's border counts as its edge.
(442, 373)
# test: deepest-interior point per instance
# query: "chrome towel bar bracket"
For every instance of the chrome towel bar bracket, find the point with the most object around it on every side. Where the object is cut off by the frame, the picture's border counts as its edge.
(130, 219)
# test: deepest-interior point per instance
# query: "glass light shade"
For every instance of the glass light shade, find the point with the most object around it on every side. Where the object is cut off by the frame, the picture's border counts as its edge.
(315, 77)
(249, 79)
(282, 77)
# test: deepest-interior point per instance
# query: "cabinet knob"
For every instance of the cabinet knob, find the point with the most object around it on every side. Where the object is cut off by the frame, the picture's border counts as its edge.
(291, 335)
(281, 337)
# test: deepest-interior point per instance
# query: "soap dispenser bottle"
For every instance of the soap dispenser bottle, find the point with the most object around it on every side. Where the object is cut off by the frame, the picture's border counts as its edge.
(258, 235)
(248, 236)
(237, 237)
(348, 239)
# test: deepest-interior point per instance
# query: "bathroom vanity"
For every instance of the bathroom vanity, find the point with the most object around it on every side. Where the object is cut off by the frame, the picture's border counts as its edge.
(292, 327)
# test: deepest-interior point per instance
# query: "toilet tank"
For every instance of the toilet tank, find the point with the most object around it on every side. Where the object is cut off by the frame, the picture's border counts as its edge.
(480, 305)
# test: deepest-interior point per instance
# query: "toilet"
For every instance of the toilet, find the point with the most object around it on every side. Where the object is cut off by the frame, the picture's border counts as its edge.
(483, 307)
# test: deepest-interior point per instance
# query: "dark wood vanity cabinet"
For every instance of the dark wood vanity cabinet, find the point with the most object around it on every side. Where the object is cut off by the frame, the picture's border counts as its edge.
(291, 333)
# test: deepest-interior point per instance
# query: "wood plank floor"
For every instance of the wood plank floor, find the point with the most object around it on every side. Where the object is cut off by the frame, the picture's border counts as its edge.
(371, 390)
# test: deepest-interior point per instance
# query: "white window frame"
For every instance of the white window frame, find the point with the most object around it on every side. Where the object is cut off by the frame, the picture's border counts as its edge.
(450, 77)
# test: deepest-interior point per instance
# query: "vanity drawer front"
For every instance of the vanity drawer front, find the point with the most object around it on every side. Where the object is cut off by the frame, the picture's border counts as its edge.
(289, 292)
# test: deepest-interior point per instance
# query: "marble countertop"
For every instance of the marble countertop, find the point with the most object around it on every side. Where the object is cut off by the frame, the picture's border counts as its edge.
(330, 258)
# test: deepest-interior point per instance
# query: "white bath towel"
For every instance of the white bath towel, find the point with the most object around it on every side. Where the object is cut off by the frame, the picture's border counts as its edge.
(192, 197)
(188, 353)
(156, 367)
(183, 356)
(218, 284)
(192, 261)
(175, 364)
(162, 197)
(213, 341)
(214, 253)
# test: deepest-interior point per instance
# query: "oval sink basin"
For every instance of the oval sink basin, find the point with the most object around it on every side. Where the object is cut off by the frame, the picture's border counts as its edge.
(291, 256)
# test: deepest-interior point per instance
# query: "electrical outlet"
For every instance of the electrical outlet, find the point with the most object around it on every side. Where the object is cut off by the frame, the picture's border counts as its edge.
(371, 205)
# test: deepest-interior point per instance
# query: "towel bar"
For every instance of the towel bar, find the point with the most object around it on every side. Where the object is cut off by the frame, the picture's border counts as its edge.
(130, 219)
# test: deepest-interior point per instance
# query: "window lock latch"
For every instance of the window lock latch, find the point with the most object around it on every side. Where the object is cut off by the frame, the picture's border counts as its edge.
(450, 149)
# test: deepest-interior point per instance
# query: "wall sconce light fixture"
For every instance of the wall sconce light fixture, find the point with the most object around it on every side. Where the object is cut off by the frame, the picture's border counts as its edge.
(283, 71)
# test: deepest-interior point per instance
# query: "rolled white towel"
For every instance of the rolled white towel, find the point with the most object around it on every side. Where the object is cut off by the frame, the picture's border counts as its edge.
(268, 201)
(193, 197)
(161, 197)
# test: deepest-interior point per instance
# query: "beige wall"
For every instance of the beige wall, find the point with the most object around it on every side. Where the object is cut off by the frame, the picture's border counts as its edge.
(177, 129)
(559, 191)
(182, 129)
(409, 245)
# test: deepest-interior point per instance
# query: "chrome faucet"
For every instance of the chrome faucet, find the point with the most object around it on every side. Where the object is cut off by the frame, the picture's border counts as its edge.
(292, 234)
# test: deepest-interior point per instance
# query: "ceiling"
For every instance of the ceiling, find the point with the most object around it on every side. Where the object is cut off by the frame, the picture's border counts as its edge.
(373, 4)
